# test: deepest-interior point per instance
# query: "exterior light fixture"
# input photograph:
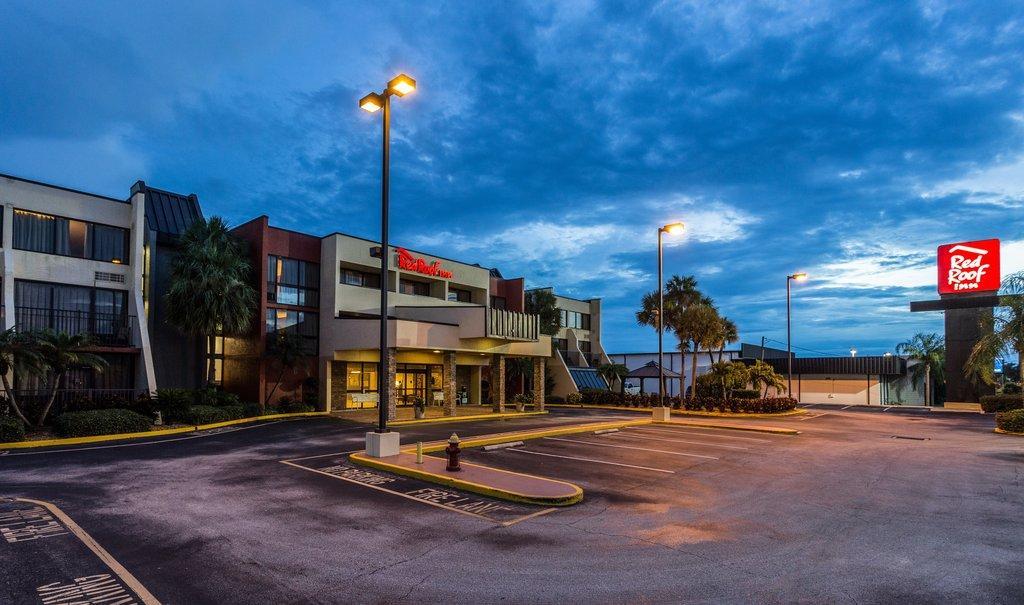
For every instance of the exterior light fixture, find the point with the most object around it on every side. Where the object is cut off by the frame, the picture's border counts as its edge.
(371, 102)
(401, 85)
(436, 351)
(789, 332)
(671, 229)
(799, 277)
(853, 351)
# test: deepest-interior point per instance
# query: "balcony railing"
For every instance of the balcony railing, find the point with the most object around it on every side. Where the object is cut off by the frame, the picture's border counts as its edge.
(105, 329)
(512, 325)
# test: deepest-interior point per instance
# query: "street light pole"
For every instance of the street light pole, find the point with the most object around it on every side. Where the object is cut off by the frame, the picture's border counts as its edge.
(670, 228)
(789, 343)
(400, 86)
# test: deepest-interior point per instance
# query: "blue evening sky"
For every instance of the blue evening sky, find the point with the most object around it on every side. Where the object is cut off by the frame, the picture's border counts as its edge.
(551, 139)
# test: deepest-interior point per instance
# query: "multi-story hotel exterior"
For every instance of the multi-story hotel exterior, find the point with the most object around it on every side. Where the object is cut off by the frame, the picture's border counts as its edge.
(578, 346)
(452, 325)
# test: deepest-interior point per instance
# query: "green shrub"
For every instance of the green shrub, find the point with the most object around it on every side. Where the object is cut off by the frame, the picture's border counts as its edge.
(1012, 421)
(574, 398)
(174, 404)
(11, 429)
(215, 397)
(746, 394)
(1011, 388)
(1001, 403)
(555, 399)
(208, 414)
(250, 410)
(100, 422)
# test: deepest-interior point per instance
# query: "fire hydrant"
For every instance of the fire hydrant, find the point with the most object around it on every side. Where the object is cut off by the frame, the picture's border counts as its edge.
(453, 451)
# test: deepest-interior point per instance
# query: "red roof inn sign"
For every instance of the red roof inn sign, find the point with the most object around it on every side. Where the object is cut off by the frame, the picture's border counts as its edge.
(408, 262)
(969, 267)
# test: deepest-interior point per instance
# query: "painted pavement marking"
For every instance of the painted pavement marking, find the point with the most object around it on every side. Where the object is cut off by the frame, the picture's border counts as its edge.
(481, 507)
(702, 443)
(645, 468)
(44, 542)
(630, 447)
(803, 418)
(701, 432)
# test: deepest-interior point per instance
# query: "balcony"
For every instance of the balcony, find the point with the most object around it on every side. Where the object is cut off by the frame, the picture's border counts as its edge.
(105, 329)
(511, 325)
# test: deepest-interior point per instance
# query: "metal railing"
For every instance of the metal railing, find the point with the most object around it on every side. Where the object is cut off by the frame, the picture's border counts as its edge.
(105, 329)
(512, 325)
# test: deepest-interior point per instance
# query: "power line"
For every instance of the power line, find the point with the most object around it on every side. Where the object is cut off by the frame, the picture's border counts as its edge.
(804, 348)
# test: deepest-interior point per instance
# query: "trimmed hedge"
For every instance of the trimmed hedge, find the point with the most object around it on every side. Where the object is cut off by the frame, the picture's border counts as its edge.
(208, 414)
(11, 429)
(574, 398)
(100, 422)
(768, 405)
(746, 394)
(1001, 403)
(1012, 421)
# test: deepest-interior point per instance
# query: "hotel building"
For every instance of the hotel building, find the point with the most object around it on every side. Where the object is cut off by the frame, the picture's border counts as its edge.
(578, 346)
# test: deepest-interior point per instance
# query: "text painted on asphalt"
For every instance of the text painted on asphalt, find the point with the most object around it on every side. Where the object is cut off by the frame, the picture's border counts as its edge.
(29, 524)
(87, 590)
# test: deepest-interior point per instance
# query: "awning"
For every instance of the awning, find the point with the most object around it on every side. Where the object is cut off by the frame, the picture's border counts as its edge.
(650, 370)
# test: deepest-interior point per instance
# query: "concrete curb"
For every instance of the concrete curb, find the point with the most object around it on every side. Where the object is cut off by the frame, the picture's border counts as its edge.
(1002, 432)
(20, 445)
(469, 486)
(796, 412)
(447, 419)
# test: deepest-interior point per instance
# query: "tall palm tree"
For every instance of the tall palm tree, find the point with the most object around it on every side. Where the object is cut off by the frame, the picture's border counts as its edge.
(700, 326)
(18, 352)
(929, 351)
(612, 372)
(288, 352)
(763, 377)
(59, 353)
(209, 289)
(680, 294)
(1002, 331)
(543, 303)
(730, 334)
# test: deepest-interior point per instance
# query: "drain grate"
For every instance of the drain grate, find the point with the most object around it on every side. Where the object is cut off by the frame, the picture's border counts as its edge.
(911, 438)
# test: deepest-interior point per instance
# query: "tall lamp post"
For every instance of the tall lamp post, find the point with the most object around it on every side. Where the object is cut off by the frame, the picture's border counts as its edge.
(789, 344)
(400, 86)
(671, 229)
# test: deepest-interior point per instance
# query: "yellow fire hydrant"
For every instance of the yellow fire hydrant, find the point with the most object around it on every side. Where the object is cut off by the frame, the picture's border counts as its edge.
(453, 451)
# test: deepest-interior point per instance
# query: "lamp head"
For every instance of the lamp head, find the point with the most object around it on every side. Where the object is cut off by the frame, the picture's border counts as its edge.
(401, 85)
(798, 277)
(674, 228)
(371, 102)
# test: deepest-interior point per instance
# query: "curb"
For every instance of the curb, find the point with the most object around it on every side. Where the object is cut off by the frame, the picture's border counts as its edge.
(446, 419)
(469, 486)
(772, 430)
(19, 445)
(796, 412)
(1002, 432)
(437, 446)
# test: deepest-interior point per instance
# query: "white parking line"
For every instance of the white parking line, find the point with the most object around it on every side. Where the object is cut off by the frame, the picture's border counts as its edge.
(707, 443)
(813, 417)
(645, 468)
(846, 407)
(715, 433)
(629, 447)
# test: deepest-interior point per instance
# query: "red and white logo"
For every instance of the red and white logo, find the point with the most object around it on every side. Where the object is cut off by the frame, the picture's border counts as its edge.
(969, 267)
(408, 262)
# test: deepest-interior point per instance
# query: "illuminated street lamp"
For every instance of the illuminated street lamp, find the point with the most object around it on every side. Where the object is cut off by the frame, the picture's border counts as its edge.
(789, 345)
(671, 229)
(399, 86)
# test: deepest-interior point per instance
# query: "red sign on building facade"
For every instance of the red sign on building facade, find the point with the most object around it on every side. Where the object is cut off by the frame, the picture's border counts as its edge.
(969, 267)
(408, 262)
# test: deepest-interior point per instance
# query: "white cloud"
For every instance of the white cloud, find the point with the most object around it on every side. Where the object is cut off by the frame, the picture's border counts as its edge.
(1001, 185)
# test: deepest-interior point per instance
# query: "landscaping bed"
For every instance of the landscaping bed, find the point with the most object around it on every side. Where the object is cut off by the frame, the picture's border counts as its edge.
(741, 402)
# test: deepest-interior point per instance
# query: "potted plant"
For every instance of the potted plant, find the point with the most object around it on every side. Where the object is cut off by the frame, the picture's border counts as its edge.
(520, 402)
(419, 408)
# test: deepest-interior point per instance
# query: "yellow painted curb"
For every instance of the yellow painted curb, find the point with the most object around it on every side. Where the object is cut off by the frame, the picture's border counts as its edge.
(1002, 432)
(469, 486)
(623, 408)
(774, 430)
(17, 445)
(445, 419)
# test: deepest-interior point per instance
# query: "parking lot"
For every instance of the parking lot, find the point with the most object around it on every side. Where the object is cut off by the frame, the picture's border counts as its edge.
(858, 507)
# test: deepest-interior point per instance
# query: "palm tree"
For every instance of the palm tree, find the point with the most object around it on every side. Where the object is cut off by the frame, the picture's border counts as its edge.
(209, 289)
(542, 302)
(730, 334)
(680, 294)
(17, 353)
(612, 372)
(929, 351)
(700, 326)
(288, 351)
(59, 353)
(763, 376)
(1002, 331)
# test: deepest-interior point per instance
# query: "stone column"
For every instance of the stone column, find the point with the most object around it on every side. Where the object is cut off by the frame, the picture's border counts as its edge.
(538, 384)
(448, 382)
(339, 384)
(392, 366)
(498, 383)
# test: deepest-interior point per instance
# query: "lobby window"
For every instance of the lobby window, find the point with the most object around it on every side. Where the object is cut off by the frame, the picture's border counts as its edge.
(302, 323)
(415, 288)
(352, 277)
(37, 232)
(293, 282)
(459, 295)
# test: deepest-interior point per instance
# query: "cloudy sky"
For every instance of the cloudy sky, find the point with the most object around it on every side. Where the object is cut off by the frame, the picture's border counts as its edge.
(550, 140)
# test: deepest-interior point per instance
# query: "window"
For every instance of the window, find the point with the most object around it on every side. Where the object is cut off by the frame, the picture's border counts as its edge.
(415, 288)
(353, 277)
(575, 319)
(460, 295)
(498, 302)
(306, 325)
(293, 282)
(73, 309)
(49, 234)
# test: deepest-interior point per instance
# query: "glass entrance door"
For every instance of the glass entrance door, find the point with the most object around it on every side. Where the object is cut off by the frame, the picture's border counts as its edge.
(417, 382)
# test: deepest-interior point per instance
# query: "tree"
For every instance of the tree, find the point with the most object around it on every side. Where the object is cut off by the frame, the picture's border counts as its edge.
(59, 353)
(699, 325)
(929, 351)
(542, 302)
(209, 289)
(680, 294)
(730, 334)
(727, 376)
(763, 376)
(288, 351)
(18, 353)
(612, 372)
(1002, 331)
